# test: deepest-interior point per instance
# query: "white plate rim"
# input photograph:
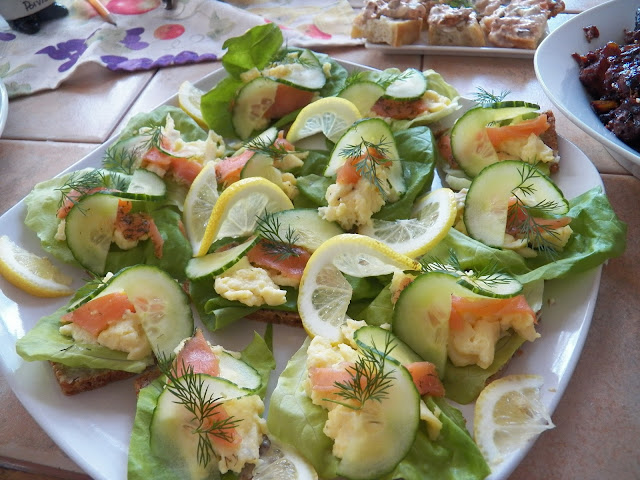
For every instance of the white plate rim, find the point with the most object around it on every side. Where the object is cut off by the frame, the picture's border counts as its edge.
(98, 442)
(4, 106)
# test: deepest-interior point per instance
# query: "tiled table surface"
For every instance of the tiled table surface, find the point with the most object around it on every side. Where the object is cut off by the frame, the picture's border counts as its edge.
(597, 424)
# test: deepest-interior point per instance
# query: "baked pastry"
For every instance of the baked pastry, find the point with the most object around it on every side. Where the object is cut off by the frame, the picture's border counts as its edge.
(394, 22)
(454, 26)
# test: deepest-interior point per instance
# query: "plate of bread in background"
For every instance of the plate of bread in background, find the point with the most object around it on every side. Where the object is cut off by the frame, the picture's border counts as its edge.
(508, 28)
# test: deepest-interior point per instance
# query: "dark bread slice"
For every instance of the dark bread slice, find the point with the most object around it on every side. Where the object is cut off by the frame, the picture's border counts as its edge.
(278, 317)
(550, 136)
(74, 380)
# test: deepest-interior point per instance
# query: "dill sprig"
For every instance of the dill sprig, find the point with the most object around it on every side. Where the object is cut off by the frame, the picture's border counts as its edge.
(386, 80)
(191, 392)
(354, 77)
(490, 274)
(366, 157)
(523, 218)
(121, 159)
(485, 98)
(276, 243)
(155, 139)
(368, 378)
(81, 183)
(289, 57)
(270, 149)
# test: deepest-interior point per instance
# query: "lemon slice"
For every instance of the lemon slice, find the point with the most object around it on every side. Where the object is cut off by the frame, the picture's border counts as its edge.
(189, 97)
(236, 212)
(508, 414)
(331, 115)
(324, 292)
(198, 204)
(279, 462)
(434, 214)
(33, 274)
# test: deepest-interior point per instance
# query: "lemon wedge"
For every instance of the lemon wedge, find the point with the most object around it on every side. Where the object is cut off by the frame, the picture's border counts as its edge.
(189, 97)
(325, 293)
(236, 212)
(508, 414)
(31, 273)
(198, 204)
(331, 116)
(434, 214)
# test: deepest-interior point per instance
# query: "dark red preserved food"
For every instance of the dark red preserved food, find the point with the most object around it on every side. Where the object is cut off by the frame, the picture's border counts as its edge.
(611, 75)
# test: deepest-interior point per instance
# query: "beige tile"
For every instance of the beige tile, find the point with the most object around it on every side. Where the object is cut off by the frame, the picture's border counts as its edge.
(597, 422)
(25, 163)
(84, 109)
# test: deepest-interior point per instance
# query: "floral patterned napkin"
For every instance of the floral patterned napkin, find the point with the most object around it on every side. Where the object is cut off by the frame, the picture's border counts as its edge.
(148, 36)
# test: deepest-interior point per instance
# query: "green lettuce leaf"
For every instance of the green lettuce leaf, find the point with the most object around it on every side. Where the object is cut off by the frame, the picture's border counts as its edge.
(296, 421)
(214, 106)
(598, 234)
(254, 49)
(44, 342)
(189, 130)
(259, 355)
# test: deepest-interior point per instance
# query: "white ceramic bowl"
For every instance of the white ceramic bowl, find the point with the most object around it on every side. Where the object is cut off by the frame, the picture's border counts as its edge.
(557, 72)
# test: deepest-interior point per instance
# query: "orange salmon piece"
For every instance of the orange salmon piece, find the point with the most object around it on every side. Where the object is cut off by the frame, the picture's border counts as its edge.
(287, 100)
(197, 354)
(489, 308)
(98, 314)
(185, 170)
(291, 267)
(425, 377)
(229, 169)
(537, 125)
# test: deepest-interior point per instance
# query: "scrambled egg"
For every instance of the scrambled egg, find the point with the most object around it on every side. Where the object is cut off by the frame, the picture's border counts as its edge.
(475, 343)
(249, 285)
(126, 335)
(250, 428)
(289, 185)
(352, 205)
(530, 150)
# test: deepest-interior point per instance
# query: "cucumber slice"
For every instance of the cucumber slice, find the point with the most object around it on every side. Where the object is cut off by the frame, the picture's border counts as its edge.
(215, 263)
(89, 230)
(311, 229)
(487, 201)
(260, 165)
(387, 428)
(145, 185)
(495, 285)
(161, 304)
(250, 105)
(421, 315)
(409, 85)
(239, 372)
(172, 428)
(375, 131)
(470, 144)
(372, 337)
(304, 73)
(363, 94)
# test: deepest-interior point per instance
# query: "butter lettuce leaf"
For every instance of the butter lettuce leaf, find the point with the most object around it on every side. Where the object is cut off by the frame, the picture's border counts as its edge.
(45, 342)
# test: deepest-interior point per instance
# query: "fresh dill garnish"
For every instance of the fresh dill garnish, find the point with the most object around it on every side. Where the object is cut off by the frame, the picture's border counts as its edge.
(386, 80)
(366, 157)
(368, 378)
(156, 137)
(121, 159)
(490, 274)
(289, 57)
(79, 183)
(485, 98)
(354, 77)
(523, 218)
(191, 392)
(265, 147)
(276, 243)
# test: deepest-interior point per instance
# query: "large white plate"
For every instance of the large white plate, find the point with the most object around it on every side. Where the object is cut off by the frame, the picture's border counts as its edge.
(93, 428)
(558, 72)
(423, 48)
(4, 105)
